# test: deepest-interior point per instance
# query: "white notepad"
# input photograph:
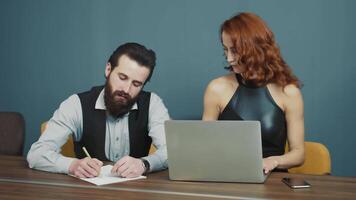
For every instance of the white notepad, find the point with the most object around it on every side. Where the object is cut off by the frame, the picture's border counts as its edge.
(107, 178)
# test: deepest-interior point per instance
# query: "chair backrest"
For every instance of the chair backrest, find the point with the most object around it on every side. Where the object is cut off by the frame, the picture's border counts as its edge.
(317, 160)
(68, 147)
(12, 133)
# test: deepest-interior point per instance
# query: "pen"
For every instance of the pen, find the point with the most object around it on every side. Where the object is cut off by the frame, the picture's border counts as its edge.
(86, 152)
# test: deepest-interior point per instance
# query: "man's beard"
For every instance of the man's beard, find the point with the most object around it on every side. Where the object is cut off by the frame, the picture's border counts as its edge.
(117, 107)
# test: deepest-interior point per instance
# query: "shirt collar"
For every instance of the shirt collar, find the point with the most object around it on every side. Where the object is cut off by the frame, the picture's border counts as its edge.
(100, 103)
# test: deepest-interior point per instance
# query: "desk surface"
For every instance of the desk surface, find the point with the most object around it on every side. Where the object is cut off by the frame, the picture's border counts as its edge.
(17, 181)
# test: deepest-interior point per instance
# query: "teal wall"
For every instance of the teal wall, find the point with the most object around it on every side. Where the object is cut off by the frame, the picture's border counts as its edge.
(52, 49)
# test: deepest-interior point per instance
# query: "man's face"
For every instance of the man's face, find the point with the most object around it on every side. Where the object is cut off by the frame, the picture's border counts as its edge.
(123, 84)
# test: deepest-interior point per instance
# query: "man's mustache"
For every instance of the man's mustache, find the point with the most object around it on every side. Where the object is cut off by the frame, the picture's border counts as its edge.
(121, 94)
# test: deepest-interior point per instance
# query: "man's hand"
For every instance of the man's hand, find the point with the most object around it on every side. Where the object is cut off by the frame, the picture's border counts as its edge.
(269, 164)
(85, 168)
(128, 167)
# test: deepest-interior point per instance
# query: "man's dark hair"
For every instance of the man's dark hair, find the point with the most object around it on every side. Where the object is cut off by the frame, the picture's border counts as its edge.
(139, 53)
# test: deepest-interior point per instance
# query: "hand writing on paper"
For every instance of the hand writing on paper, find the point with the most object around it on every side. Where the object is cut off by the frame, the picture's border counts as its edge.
(85, 168)
(269, 164)
(128, 167)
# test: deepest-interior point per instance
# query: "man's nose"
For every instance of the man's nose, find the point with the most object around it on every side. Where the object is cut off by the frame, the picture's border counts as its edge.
(127, 87)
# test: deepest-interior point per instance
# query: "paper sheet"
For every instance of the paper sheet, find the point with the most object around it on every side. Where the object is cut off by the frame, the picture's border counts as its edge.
(107, 178)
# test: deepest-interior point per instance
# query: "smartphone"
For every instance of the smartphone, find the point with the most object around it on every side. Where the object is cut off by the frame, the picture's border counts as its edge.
(296, 183)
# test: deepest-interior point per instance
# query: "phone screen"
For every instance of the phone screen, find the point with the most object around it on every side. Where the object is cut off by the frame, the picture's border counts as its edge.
(296, 183)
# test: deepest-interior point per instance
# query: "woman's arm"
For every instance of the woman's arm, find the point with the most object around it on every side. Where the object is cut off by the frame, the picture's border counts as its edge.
(294, 112)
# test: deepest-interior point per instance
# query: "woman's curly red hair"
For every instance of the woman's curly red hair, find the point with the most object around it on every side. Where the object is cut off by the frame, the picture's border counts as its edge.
(257, 50)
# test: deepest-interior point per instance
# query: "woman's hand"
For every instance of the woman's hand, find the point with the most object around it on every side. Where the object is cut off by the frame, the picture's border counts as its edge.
(269, 164)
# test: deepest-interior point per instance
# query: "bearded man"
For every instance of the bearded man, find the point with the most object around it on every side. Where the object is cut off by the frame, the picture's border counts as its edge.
(116, 122)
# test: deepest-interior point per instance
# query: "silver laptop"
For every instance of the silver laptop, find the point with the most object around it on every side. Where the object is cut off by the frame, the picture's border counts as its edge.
(221, 151)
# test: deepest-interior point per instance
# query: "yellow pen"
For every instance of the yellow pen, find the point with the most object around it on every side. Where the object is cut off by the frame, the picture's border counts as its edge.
(88, 155)
(86, 152)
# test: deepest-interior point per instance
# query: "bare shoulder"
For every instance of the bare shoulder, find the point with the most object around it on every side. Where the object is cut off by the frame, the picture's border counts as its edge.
(218, 93)
(293, 99)
(221, 84)
(292, 91)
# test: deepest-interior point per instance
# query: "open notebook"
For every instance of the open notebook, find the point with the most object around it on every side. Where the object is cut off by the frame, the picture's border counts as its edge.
(107, 178)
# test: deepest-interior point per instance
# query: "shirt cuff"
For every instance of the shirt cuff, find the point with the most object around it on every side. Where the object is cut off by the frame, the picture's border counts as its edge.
(156, 163)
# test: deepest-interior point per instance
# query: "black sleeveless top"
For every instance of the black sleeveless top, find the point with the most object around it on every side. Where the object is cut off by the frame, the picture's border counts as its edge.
(256, 103)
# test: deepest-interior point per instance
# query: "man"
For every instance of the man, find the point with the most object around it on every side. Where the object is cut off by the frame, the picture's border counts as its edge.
(115, 123)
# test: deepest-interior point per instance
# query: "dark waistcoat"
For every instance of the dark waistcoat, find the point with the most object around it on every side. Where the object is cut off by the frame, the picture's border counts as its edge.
(94, 126)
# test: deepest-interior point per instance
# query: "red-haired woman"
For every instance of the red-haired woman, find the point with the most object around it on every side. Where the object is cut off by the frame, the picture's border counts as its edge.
(260, 86)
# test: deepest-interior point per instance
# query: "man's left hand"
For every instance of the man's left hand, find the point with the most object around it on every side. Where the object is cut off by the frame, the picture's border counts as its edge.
(128, 167)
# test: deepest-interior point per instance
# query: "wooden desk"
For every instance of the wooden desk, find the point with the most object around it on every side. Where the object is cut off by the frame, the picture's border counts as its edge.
(17, 181)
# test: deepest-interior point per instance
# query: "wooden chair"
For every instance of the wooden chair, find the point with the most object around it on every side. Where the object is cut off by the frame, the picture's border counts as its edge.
(317, 160)
(12, 133)
(68, 147)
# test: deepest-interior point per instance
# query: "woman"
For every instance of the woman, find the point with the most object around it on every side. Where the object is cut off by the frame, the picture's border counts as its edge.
(260, 86)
